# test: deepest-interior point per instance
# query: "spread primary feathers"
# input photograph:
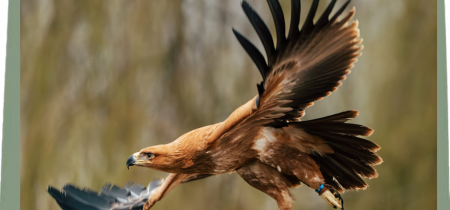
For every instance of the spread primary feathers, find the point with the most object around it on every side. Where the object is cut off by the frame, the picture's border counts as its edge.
(264, 140)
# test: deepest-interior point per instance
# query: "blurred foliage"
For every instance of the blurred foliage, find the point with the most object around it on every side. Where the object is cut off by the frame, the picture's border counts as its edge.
(102, 79)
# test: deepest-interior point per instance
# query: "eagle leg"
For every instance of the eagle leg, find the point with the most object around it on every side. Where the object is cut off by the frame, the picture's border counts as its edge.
(169, 183)
(269, 181)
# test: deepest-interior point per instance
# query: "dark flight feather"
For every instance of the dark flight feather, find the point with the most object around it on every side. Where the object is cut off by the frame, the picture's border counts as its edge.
(309, 24)
(111, 197)
(339, 12)
(278, 18)
(254, 53)
(260, 27)
(323, 20)
(295, 18)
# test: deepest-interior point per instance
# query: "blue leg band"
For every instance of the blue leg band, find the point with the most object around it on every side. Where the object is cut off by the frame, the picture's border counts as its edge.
(320, 188)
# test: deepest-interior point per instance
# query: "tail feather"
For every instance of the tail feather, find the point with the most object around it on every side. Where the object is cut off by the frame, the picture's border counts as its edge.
(347, 140)
(365, 156)
(346, 177)
(358, 166)
(339, 117)
(354, 180)
(346, 128)
(353, 157)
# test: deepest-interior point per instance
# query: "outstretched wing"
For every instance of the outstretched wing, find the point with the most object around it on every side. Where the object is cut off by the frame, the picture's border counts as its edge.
(133, 196)
(305, 66)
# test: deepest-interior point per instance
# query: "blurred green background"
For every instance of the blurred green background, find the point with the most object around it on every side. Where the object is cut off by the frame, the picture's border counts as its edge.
(102, 79)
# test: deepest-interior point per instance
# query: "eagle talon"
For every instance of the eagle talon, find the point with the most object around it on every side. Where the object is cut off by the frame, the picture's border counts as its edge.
(333, 198)
(338, 196)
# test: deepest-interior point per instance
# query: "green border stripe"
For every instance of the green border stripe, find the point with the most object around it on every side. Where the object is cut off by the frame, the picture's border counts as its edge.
(10, 185)
(443, 185)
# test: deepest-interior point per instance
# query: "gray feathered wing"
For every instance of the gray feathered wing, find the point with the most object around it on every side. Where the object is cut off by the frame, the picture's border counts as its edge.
(132, 196)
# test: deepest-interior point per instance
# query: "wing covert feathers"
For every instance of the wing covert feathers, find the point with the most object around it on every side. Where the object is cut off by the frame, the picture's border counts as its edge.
(307, 65)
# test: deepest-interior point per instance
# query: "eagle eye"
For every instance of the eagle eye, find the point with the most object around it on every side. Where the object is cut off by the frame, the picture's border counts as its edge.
(150, 155)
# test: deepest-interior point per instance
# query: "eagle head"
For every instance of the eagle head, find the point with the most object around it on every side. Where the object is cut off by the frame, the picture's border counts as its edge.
(159, 157)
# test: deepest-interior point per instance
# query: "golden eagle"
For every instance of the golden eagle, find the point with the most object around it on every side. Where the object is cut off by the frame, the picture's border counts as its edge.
(264, 140)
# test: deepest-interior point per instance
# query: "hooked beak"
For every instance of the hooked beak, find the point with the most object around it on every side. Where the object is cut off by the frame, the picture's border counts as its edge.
(131, 161)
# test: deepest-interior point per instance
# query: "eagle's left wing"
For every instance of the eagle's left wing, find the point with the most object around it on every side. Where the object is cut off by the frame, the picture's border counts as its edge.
(132, 196)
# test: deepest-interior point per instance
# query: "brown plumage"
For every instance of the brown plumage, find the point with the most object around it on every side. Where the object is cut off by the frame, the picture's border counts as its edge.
(264, 140)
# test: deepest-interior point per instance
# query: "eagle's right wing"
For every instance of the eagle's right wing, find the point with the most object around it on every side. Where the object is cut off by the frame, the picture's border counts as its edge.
(306, 65)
